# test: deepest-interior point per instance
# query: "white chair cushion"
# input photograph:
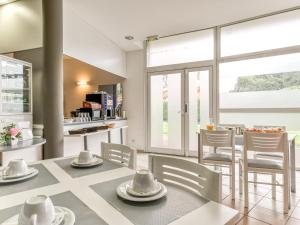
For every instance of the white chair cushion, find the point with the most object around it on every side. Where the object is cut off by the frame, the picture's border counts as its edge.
(270, 155)
(217, 157)
(264, 164)
(238, 148)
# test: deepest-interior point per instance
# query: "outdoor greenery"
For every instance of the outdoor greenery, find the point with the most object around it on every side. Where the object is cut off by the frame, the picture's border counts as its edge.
(268, 82)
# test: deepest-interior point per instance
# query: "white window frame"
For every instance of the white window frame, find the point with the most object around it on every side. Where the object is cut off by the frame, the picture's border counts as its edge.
(215, 109)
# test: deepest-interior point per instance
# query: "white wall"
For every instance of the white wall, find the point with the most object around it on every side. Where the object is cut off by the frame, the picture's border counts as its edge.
(21, 26)
(134, 103)
(82, 41)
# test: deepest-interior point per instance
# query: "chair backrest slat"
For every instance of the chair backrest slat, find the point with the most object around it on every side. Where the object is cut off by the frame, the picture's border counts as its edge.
(217, 138)
(121, 154)
(190, 175)
(265, 142)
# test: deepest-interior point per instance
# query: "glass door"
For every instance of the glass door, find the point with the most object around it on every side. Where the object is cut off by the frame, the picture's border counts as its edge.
(166, 116)
(179, 106)
(198, 106)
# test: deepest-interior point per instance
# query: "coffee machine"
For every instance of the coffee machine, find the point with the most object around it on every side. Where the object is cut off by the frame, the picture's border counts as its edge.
(106, 102)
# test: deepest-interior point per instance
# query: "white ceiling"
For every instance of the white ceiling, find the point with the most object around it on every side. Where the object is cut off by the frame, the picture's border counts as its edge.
(141, 18)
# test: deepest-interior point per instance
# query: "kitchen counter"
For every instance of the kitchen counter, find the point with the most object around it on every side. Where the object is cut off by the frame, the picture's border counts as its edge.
(23, 144)
(94, 122)
(29, 150)
(74, 143)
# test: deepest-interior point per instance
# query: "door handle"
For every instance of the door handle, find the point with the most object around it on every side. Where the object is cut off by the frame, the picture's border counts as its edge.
(186, 108)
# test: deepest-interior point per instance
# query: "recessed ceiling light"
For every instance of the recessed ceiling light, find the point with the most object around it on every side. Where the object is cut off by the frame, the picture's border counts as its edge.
(3, 2)
(129, 37)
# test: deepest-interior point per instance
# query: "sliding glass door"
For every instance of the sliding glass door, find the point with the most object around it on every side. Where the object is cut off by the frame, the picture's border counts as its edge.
(179, 105)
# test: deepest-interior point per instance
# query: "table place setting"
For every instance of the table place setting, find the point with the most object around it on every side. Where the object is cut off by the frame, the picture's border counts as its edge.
(41, 210)
(17, 170)
(142, 188)
(86, 159)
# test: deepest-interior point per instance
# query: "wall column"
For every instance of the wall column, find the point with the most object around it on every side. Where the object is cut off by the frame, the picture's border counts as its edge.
(53, 77)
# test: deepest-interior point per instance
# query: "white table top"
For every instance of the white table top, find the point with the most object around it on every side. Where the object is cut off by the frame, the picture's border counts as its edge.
(210, 213)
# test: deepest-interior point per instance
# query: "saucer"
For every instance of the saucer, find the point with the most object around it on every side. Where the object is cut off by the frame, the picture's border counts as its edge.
(122, 192)
(157, 189)
(11, 180)
(29, 171)
(63, 216)
(95, 161)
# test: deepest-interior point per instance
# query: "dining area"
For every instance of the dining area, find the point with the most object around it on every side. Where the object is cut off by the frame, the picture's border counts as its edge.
(107, 189)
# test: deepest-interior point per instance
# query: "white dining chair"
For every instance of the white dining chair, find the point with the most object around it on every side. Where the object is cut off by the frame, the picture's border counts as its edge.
(268, 155)
(268, 143)
(119, 153)
(218, 139)
(192, 176)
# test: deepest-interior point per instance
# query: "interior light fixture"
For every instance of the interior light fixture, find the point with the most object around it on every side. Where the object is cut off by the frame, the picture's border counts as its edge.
(3, 2)
(129, 37)
(82, 83)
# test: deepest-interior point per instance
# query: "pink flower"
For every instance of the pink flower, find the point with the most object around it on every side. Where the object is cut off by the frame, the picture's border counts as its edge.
(14, 131)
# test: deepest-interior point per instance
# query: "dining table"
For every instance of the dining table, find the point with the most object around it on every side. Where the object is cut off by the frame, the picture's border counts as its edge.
(292, 150)
(91, 194)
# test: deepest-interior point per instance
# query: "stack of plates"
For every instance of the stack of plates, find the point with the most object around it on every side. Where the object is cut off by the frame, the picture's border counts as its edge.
(31, 172)
(126, 192)
(63, 216)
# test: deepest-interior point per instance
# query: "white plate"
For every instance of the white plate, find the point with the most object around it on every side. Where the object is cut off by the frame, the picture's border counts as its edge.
(96, 161)
(143, 194)
(29, 171)
(64, 216)
(6, 181)
(121, 191)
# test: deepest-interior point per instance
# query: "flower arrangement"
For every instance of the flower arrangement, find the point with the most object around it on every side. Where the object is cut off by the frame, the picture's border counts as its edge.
(10, 134)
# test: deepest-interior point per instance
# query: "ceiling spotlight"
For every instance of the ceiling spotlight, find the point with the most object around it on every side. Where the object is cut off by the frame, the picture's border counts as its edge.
(129, 37)
(3, 2)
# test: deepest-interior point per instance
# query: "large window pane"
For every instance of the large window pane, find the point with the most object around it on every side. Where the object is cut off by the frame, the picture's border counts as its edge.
(271, 32)
(191, 47)
(271, 82)
(290, 120)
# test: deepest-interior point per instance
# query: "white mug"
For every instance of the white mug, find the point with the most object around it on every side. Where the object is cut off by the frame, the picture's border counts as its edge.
(38, 210)
(85, 157)
(143, 181)
(16, 167)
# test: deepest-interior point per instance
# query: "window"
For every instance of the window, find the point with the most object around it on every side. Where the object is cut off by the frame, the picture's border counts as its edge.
(281, 30)
(270, 82)
(190, 47)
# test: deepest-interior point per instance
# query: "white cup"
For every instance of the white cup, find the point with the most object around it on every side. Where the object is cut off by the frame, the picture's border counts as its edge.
(37, 210)
(16, 167)
(143, 181)
(85, 157)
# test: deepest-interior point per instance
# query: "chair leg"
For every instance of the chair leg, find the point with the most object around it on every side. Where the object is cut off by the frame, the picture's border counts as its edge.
(233, 181)
(255, 179)
(286, 191)
(240, 178)
(273, 186)
(246, 188)
(255, 174)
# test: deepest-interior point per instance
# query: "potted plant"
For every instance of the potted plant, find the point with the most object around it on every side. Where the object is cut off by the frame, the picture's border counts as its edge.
(10, 134)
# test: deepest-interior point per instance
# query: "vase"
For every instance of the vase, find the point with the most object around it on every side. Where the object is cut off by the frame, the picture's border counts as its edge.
(12, 142)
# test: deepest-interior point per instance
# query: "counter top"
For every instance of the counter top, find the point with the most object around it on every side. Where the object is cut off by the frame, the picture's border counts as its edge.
(94, 121)
(23, 144)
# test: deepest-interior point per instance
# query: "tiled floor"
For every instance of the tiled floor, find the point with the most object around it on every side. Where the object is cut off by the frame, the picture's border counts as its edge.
(262, 208)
